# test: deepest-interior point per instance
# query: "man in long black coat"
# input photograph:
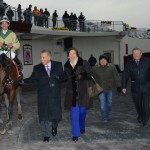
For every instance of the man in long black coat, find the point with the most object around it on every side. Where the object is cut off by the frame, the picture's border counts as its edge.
(49, 94)
(138, 69)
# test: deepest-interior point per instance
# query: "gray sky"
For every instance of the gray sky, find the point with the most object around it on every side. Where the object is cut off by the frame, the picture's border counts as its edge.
(133, 12)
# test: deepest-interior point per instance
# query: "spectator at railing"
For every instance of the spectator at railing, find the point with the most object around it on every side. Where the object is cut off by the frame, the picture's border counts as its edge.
(19, 11)
(74, 21)
(30, 8)
(65, 19)
(71, 21)
(3, 7)
(28, 15)
(41, 18)
(25, 14)
(46, 16)
(81, 20)
(10, 14)
(36, 14)
(54, 19)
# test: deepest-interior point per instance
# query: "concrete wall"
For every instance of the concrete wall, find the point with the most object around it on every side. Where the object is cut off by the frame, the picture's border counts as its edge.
(97, 46)
(37, 46)
(132, 43)
(86, 47)
(143, 44)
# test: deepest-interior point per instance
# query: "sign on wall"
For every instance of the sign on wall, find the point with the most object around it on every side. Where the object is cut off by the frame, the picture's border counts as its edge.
(27, 54)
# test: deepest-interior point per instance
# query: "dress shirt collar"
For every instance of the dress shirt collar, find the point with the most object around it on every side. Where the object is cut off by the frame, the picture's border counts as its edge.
(49, 65)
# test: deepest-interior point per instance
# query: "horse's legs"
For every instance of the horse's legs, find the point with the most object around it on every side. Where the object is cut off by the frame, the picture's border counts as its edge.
(18, 96)
(9, 106)
(2, 129)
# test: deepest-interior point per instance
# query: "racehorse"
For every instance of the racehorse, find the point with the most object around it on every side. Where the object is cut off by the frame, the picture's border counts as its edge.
(9, 91)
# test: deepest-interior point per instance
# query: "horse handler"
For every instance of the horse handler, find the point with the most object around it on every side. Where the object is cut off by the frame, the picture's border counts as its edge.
(47, 75)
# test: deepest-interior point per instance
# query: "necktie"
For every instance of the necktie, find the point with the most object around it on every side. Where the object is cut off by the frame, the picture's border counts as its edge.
(137, 62)
(48, 70)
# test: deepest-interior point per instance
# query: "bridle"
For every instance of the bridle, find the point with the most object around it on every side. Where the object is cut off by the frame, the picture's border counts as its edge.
(6, 78)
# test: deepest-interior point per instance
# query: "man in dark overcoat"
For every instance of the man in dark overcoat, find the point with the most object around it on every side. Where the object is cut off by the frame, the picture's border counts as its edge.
(47, 75)
(138, 69)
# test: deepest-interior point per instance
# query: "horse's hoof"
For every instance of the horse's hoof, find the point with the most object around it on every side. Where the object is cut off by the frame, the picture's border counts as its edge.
(10, 132)
(19, 117)
(3, 131)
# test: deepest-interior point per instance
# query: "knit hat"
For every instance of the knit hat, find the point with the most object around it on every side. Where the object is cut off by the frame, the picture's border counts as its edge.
(4, 19)
(103, 57)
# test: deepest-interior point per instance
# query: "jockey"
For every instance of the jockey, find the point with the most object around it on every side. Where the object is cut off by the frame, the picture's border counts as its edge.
(9, 43)
(8, 40)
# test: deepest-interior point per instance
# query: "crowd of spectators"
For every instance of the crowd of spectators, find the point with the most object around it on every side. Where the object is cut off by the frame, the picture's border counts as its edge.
(70, 21)
(42, 17)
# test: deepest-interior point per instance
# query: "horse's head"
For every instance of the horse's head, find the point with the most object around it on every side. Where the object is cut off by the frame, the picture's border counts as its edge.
(8, 74)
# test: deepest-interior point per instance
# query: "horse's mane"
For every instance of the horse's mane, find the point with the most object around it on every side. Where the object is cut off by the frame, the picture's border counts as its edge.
(4, 60)
(8, 66)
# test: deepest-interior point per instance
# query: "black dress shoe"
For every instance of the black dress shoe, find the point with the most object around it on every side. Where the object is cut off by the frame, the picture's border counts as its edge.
(54, 131)
(139, 120)
(75, 138)
(46, 139)
(82, 131)
(145, 125)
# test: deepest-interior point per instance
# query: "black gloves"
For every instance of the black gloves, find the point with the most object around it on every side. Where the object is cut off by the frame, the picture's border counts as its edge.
(19, 82)
(119, 89)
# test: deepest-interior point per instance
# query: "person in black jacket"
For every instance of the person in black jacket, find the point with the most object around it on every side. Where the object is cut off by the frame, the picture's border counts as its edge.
(92, 60)
(138, 69)
(46, 17)
(54, 19)
(19, 11)
(81, 20)
(65, 19)
(47, 75)
(10, 14)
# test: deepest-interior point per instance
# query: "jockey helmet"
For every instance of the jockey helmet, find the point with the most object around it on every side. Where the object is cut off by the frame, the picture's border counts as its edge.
(4, 19)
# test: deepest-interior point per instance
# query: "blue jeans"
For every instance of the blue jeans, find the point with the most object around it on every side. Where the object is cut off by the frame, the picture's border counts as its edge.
(78, 115)
(105, 99)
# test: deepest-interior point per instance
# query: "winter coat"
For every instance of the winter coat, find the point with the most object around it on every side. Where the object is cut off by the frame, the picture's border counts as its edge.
(48, 91)
(139, 74)
(77, 83)
(107, 77)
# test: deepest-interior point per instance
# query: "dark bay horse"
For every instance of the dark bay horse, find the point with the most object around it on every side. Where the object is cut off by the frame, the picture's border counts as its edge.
(9, 91)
